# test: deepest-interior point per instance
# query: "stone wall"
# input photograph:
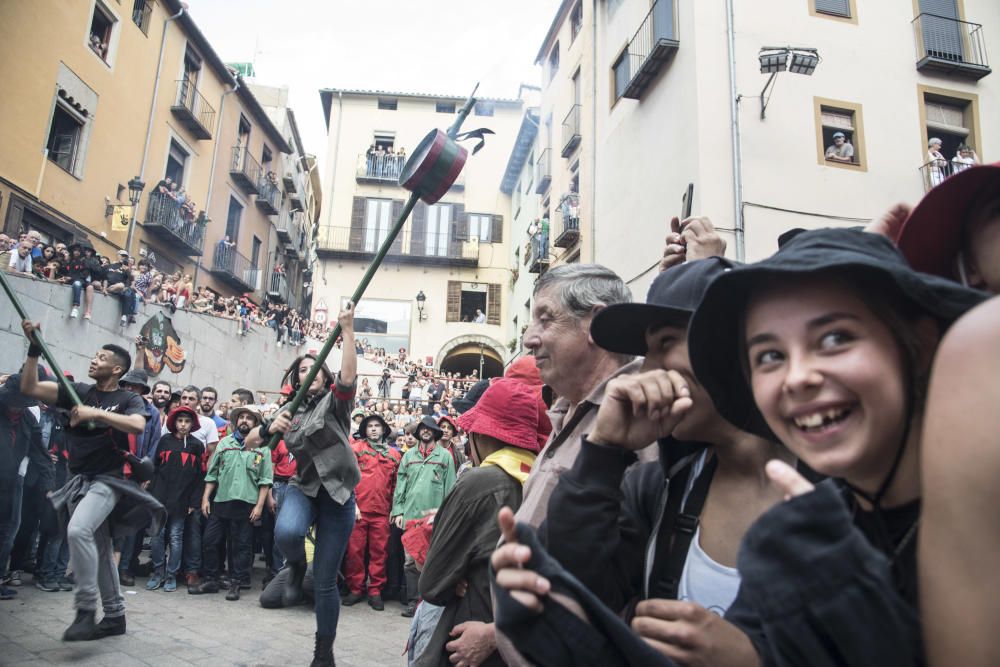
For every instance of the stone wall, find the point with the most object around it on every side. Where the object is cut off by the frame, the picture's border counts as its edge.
(215, 355)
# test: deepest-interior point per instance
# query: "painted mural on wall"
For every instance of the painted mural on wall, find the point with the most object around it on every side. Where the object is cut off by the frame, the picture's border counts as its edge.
(163, 346)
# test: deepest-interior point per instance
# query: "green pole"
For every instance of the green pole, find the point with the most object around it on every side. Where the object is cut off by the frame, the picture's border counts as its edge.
(67, 385)
(367, 278)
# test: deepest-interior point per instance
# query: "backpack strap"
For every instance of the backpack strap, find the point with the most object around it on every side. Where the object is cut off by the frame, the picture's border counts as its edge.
(678, 530)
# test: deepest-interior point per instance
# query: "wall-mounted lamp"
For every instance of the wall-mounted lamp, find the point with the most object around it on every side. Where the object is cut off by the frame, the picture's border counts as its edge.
(775, 59)
(421, 300)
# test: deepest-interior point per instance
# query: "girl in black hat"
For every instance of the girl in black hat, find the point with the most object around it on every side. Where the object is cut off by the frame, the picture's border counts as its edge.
(827, 347)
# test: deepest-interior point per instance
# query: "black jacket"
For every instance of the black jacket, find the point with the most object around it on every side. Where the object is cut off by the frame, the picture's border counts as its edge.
(179, 479)
(20, 438)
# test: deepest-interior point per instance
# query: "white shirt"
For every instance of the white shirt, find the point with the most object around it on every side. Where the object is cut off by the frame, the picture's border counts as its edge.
(18, 263)
(705, 582)
(207, 433)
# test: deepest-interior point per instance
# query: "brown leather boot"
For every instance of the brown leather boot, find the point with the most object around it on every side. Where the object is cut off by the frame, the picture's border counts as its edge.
(193, 582)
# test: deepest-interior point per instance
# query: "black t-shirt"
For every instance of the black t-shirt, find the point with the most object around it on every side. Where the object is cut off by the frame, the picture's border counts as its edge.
(95, 452)
(117, 273)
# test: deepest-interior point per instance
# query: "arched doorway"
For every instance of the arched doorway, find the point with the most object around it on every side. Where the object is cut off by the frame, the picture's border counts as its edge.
(472, 353)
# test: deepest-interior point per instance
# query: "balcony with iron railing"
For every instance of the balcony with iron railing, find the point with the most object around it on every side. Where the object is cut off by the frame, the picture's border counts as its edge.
(234, 269)
(269, 197)
(543, 172)
(571, 130)
(174, 224)
(277, 287)
(538, 253)
(949, 46)
(428, 247)
(296, 241)
(384, 169)
(567, 233)
(192, 110)
(652, 46)
(245, 170)
(936, 171)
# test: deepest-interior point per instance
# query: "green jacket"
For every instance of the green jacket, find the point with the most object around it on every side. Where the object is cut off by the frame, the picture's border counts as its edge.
(422, 483)
(239, 472)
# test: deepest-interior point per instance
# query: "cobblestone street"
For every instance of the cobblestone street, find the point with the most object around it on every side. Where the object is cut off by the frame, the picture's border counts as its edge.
(168, 629)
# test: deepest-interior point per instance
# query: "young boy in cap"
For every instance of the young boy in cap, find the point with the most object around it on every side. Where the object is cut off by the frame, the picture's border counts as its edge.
(379, 464)
(241, 478)
(426, 475)
(178, 485)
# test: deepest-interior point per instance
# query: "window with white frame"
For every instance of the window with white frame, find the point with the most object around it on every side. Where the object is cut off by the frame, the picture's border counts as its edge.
(438, 233)
(102, 29)
(481, 227)
(378, 220)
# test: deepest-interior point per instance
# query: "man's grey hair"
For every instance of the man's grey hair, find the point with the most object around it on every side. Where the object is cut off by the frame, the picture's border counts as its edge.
(581, 287)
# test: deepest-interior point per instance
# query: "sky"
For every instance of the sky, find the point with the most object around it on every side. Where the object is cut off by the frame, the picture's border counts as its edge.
(427, 46)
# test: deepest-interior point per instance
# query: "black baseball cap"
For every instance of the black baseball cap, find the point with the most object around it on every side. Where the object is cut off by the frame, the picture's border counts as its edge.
(672, 299)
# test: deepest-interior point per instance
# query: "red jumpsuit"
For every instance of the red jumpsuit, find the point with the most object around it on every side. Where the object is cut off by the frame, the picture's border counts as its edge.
(374, 497)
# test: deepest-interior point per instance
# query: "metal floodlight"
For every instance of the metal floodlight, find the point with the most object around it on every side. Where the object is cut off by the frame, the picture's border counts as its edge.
(773, 62)
(804, 63)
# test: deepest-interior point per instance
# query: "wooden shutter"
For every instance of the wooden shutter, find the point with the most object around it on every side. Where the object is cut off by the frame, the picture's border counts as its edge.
(459, 230)
(493, 304)
(418, 230)
(454, 313)
(357, 232)
(835, 7)
(397, 245)
(496, 233)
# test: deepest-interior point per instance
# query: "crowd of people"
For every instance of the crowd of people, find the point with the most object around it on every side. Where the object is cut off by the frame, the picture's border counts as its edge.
(784, 462)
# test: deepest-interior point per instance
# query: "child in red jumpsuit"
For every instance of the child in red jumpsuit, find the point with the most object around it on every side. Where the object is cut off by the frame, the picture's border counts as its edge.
(378, 463)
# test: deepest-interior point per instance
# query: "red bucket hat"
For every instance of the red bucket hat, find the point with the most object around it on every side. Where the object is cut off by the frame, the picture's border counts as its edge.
(287, 390)
(931, 237)
(509, 411)
(178, 411)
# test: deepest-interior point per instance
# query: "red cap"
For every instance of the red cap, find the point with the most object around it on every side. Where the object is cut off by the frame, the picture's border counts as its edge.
(287, 390)
(509, 411)
(525, 370)
(931, 237)
(178, 411)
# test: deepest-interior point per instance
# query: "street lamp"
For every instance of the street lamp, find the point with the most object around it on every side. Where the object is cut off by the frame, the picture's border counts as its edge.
(135, 188)
(421, 300)
(775, 59)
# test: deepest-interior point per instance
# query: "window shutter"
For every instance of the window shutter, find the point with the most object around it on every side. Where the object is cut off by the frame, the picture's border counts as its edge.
(835, 7)
(493, 304)
(459, 229)
(418, 231)
(397, 245)
(496, 233)
(454, 313)
(357, 234)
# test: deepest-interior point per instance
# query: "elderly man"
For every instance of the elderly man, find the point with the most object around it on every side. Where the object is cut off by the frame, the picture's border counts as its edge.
(841, 150)
(20, 260)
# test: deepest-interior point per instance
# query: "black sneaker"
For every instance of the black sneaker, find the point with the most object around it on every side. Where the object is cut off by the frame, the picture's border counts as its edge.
(351, 599)
(375, 602)
(246, 585)
(110, 626)
(410, 610)
(234, 593)
(83, 628)
(207, 586)
(65, 584)
(47, 585)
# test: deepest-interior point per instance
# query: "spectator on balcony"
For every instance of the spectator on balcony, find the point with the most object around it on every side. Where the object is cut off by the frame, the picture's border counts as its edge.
(36, 245)
(480, 317)
(964, 158)
(937, 164)
(20, 261)
(841, 150)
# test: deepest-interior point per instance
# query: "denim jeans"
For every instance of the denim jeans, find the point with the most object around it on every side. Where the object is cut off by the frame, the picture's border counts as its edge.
(194, 526)
(173, 532)
(93, 554)
(334, 523)
(277, 558)
(11, 491)
(129, 302)
(78, 286)
(55, 558)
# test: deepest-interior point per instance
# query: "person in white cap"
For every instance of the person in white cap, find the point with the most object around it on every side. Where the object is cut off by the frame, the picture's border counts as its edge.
(841, 150)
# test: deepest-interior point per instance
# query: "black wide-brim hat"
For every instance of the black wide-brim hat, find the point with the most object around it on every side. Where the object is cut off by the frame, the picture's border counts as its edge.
(368, 418)
(429, 423)
(717, 327)
(672, 299)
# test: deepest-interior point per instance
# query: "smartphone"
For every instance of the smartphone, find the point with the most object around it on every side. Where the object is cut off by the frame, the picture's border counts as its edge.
(687, 201)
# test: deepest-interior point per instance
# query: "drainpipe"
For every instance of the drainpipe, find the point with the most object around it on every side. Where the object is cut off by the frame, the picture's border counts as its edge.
(734, 111)
(333, 176)
(152, 114)
(593, 131)
(215, 157)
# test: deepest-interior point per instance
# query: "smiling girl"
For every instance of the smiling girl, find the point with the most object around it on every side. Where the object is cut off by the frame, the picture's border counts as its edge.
(826, 347)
